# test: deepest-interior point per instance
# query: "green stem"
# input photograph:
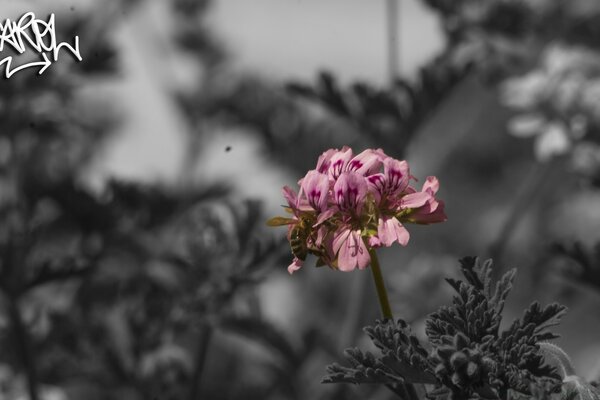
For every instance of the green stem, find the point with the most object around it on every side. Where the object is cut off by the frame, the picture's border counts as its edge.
(409, 390)
(386, 310)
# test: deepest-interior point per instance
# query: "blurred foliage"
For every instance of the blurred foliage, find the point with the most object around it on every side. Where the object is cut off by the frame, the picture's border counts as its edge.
(469, 357)
(107, 292)
(583, 264)
(144, 291)
(545, 54)
(388, 117)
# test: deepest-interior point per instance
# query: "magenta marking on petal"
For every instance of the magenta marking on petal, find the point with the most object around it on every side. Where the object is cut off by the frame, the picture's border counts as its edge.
(338, 161)
(354, 165)
(325, 161)
(350, 190)
(353, 253)
(315, 185)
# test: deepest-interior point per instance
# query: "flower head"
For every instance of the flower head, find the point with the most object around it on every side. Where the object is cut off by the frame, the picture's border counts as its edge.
(349, 205)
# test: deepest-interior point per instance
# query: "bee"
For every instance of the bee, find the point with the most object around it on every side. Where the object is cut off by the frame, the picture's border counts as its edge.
(298, 236)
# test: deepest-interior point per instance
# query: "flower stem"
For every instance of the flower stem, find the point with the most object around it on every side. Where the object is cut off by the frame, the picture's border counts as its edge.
(23, 345)
(386, 310)
(206, 333)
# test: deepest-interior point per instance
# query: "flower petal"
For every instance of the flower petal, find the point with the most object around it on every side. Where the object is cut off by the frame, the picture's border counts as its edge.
(390, 230)
(365, 163)
(376, 186)
(339, 238)
(431, 185)
(338, 162)
(290, 197)
(325, 215)
(295, 265)
(315, 186)
(325, 161)
(415, 200)
(397, 175)
(429, 216)
(353, 253)
(350, 190)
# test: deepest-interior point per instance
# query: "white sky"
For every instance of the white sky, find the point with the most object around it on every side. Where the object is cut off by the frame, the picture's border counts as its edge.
(295, 38)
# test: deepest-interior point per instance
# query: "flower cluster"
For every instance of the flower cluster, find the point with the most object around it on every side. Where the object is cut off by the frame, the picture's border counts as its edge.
(351, 204)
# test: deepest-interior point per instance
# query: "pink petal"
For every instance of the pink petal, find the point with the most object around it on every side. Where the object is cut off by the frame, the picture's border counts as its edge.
(339, 238)
(324, 216)
(316, 189)
(430, 216)
(350, 190)
(415, 200)
(374, 241)
(390, 230)
(431, 185)
(325, 160)
(295, 265)
(365, 163)
(338, 162)
(376, 184)
(397, 175)
(353, 253)
(290, 196)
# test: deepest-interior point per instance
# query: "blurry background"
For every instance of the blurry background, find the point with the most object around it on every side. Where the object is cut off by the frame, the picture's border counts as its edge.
(134, 185)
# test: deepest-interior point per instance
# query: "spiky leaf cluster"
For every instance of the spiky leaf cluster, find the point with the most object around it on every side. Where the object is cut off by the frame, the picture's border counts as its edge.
(402, 358)
(469, 357)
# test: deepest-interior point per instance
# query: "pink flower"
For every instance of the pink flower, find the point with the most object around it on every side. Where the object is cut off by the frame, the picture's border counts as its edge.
(334, 162)
(350, 204)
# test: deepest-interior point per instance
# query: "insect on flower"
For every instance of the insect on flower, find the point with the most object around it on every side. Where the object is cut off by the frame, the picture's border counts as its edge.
(350, 204)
